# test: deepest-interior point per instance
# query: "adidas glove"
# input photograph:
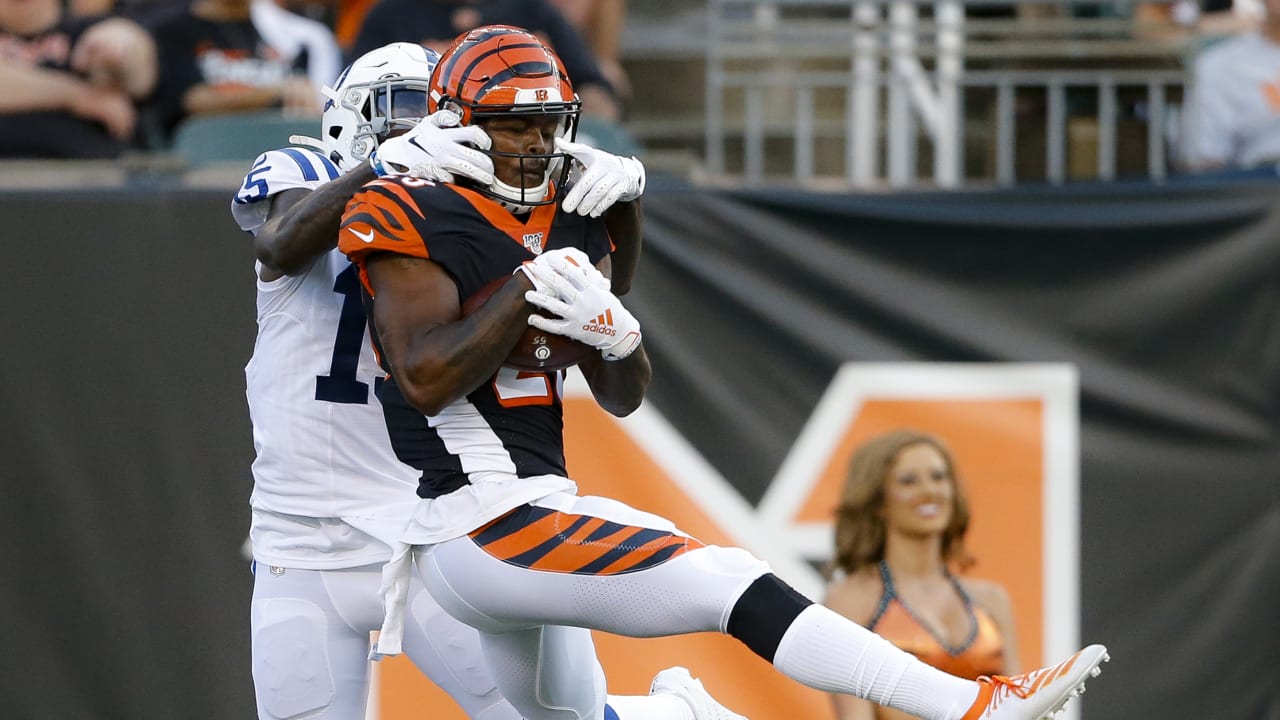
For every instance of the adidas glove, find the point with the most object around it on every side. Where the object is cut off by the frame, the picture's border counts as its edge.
(546, 271)
(587, 311)
(606, 179)
(436, 149)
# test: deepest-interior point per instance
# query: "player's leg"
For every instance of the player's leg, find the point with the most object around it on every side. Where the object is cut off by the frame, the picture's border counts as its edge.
(307, 660)
(449, 653)
(552, 673)
(548, 673)
(604, 565)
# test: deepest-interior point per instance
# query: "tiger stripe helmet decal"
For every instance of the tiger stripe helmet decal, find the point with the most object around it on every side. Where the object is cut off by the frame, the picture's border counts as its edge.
(499, 68)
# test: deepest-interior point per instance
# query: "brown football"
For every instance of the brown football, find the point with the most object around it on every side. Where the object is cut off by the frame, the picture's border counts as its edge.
(537, 350)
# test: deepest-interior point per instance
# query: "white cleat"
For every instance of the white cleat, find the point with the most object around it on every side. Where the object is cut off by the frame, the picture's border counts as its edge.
(1039, 694)
(677, 681)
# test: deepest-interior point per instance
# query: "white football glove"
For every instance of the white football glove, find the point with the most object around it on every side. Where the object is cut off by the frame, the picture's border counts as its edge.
(606, 179)
(587, 311)
(546, 271)
(436, 149)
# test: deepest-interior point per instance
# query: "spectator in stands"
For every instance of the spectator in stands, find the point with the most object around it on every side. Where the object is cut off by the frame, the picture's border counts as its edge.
(600, 23)
(68, 86)
(144, 12)
(435, 23)
(900, 534)
(241, 55)
(1232, 116)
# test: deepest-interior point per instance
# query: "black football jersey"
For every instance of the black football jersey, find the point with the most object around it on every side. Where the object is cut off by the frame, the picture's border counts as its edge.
(513, 423)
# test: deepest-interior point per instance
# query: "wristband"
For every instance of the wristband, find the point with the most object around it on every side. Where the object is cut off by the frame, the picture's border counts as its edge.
(623, 347)
(376, 164)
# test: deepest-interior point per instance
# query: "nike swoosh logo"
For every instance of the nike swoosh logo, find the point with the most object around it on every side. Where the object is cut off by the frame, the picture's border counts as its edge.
(367, 237)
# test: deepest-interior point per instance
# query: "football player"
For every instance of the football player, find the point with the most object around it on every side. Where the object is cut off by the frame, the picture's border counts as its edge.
(501, 538)
(329, 496)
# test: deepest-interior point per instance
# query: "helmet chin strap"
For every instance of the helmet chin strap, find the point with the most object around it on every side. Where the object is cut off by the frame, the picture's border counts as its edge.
(509, 196)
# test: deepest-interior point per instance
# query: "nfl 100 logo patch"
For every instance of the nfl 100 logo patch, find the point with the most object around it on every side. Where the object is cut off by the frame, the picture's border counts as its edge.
(533, 242)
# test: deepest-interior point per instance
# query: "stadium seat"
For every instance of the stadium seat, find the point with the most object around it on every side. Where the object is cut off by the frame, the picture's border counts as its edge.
(237, 136)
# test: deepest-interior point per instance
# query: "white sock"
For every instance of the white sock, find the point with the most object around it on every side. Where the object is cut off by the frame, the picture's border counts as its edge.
(829, 652)
(649, 707)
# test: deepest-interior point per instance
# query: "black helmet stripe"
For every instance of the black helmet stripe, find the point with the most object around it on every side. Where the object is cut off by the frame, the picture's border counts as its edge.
(519, 70)
(447, 71)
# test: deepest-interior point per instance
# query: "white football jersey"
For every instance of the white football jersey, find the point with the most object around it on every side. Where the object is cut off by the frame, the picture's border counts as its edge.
(326, 481)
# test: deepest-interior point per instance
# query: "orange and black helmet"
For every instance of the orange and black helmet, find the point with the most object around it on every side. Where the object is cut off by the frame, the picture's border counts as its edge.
(500, 70)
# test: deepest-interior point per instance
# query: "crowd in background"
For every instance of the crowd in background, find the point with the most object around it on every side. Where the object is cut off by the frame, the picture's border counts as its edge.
(97, 78)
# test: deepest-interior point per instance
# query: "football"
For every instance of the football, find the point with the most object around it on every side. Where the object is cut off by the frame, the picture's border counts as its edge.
(537, 350)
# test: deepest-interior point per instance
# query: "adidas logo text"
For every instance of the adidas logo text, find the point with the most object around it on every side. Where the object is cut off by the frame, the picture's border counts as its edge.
(603, 324)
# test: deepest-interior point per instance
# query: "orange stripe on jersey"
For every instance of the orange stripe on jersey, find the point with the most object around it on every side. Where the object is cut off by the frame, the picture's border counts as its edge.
(542, 539)
(539, 220)
(399, 191)
(378, 218)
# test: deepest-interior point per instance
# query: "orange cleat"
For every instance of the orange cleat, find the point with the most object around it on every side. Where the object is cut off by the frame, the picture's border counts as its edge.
(1039, 694)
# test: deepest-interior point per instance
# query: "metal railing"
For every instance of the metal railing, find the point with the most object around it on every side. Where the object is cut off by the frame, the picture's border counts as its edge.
(855, 92)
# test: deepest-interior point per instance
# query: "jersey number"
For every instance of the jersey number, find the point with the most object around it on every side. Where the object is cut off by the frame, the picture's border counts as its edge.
(520, 387)
(341, 385)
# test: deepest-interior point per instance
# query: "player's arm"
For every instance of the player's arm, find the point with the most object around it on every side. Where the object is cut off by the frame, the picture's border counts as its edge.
(623, 222)
(303, 224)
(436, 355)
(610, 186)
(618, 386)
(587, 311)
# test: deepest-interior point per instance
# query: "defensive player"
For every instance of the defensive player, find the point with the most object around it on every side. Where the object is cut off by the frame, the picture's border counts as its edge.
(501, 538)
(329, 496)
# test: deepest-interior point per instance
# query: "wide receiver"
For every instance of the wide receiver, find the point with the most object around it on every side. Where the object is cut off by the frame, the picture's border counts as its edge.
(501, 538)
(329, 496)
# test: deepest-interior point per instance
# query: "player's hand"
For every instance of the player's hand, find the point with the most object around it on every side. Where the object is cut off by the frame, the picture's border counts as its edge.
(606, 179)
(436, 149)
(546, 271)
(587, 311)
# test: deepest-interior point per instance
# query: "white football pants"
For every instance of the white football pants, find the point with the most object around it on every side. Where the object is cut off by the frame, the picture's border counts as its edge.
(310, 642)
(532, 581)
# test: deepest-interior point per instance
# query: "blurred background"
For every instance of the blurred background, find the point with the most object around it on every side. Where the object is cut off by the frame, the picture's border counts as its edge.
(1049, 231)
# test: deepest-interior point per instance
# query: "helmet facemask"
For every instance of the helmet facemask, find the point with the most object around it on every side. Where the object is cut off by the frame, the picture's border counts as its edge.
(500, 72)
(377, 110)
(383, 93)
(522, 198)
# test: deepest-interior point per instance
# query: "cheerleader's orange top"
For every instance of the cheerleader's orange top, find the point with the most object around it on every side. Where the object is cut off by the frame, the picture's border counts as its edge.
(982, 652)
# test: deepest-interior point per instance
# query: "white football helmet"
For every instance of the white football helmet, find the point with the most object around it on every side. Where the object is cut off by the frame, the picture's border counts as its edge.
(384, 90)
